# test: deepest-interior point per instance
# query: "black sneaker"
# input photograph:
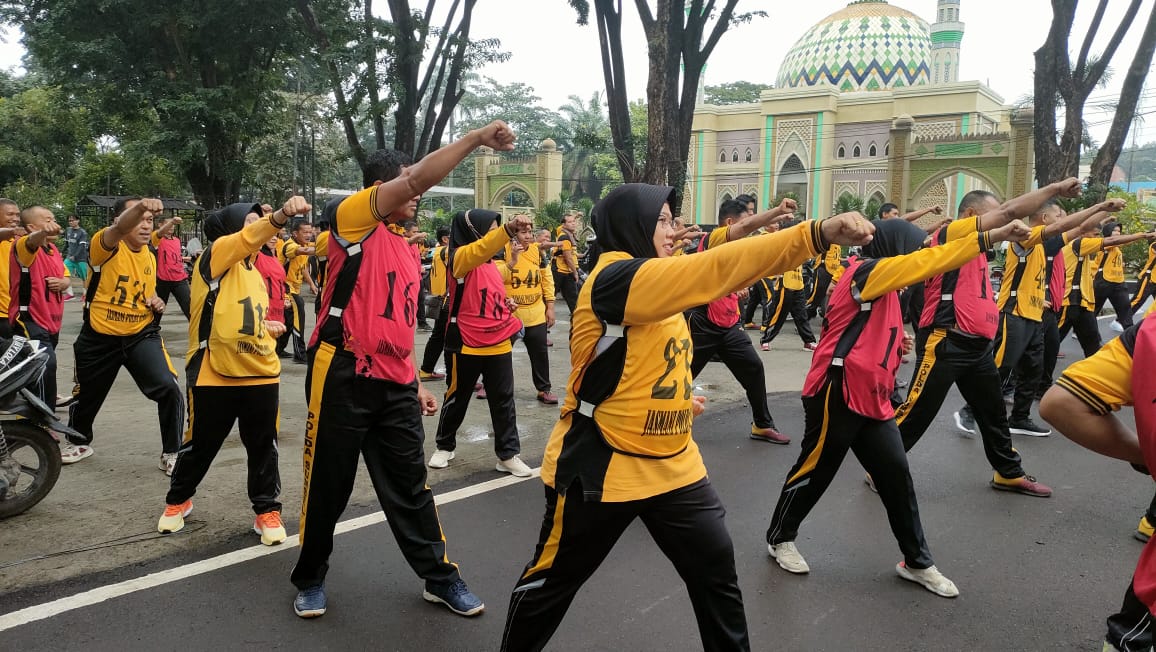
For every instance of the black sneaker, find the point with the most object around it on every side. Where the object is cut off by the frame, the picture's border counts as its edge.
(456, 596)
(1029, 428)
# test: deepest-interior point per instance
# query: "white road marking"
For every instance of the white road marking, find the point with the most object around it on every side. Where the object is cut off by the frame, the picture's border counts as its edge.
(105, 593)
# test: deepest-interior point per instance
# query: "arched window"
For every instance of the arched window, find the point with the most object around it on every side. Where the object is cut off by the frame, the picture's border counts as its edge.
(887, 149)
(750, 155)
(856, 152)
(722, 157)
(842, 153)
(872, 150)
(735, 156)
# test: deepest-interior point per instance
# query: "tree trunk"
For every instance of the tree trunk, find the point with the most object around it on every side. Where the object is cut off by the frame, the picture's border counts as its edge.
(608, 14)
(372, 83)
(406, 65)
(1105, 161)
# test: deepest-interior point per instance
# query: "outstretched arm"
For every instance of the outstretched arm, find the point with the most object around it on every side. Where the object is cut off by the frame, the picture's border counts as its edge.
(752, 223)
(1086, 218)
(128, 221)
(897, 272)
(915, 215)
(1082, 402)
(1028, 203)
(426, 173)
(645, 290)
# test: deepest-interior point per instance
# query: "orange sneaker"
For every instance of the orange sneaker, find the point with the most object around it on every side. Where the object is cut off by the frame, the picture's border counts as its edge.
(174, 517)
(269, 526)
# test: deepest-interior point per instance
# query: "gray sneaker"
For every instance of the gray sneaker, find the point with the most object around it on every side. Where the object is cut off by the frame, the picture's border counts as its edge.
(788, 557)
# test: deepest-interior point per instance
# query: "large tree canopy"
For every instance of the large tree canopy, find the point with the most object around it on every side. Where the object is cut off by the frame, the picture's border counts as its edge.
(197, 73)
(410, 63)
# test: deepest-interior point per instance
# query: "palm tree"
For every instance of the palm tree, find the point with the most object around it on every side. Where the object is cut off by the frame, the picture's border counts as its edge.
(586, 132)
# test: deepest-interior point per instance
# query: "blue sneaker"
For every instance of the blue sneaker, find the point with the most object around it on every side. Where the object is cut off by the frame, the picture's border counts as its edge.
(310, 602)
(455, 595)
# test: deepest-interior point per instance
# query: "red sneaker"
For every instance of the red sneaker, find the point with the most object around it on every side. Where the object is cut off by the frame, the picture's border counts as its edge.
(769, 435)
(547, 398)
(1026, 485)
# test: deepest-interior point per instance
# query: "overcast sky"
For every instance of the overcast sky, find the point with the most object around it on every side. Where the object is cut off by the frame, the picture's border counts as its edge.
(555, 56)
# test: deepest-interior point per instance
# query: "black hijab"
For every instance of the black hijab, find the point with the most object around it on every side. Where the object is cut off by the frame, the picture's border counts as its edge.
(894, 237)
(228, 220)
(1107, 229)
(625, 219)
(471, 226)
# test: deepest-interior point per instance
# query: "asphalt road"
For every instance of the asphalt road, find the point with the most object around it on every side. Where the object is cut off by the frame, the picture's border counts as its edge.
(1033, 573)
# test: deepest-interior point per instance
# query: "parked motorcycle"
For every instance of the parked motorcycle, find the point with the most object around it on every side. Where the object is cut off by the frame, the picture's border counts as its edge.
(29, 429)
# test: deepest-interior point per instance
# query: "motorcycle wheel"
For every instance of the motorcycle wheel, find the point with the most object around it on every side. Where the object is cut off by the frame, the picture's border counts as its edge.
(38, 458)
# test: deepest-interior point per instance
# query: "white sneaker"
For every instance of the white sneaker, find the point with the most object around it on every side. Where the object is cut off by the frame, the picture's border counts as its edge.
(788, 557)
(930, 578)
(167, 463)
(515, 467)
(71, 453)
(440, 459)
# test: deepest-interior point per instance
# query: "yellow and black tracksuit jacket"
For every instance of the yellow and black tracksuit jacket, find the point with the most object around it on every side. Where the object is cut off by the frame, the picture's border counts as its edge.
(228, 343)
(625, 431)
(526, 284)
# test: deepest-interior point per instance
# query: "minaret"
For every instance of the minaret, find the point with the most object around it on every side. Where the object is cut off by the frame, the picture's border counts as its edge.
(946, 36)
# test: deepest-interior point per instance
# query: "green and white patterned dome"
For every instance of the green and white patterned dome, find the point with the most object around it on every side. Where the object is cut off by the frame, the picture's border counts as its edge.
(868, 45)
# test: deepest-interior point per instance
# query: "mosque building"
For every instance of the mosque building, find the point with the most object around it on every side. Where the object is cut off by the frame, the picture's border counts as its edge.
(867, 104)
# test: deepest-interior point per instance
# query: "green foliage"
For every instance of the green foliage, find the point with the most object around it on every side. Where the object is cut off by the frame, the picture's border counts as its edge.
(871, 210)
(515, 103)
(736, 92)
(585, 132)
(785, 195)
(848, 203)
(194, 79)
(1135, 218)
(43, 132)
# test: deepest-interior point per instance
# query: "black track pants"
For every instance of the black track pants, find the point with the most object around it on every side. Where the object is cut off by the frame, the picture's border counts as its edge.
(212, 413)
(497, 373)
(351, 416)
(688, 524)
(968, 363)
(99, 359)
(831, 430)
(734, 347)
(178, 290)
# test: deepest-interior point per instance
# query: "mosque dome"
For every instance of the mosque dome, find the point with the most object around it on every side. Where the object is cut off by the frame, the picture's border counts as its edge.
(868, 45)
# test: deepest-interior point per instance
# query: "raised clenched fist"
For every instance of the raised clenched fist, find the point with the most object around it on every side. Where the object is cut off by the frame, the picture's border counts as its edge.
(52, 229)
(152, 205)
(1115, 205)
(1071, 187)
(176, 219)
(1014, 231)
(788, 205)
(848, 229)
(294, 206)
(498, 135)
(519, 224)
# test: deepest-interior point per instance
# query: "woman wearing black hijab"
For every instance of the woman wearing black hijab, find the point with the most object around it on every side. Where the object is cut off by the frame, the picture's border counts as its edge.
(478, 336)
(623, 449)
(846, 396)
(232, 367)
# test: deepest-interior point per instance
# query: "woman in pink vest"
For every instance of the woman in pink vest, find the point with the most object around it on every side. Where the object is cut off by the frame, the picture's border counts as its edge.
(847, 394)
(274, 275)
(478, 336)
(172, 277)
